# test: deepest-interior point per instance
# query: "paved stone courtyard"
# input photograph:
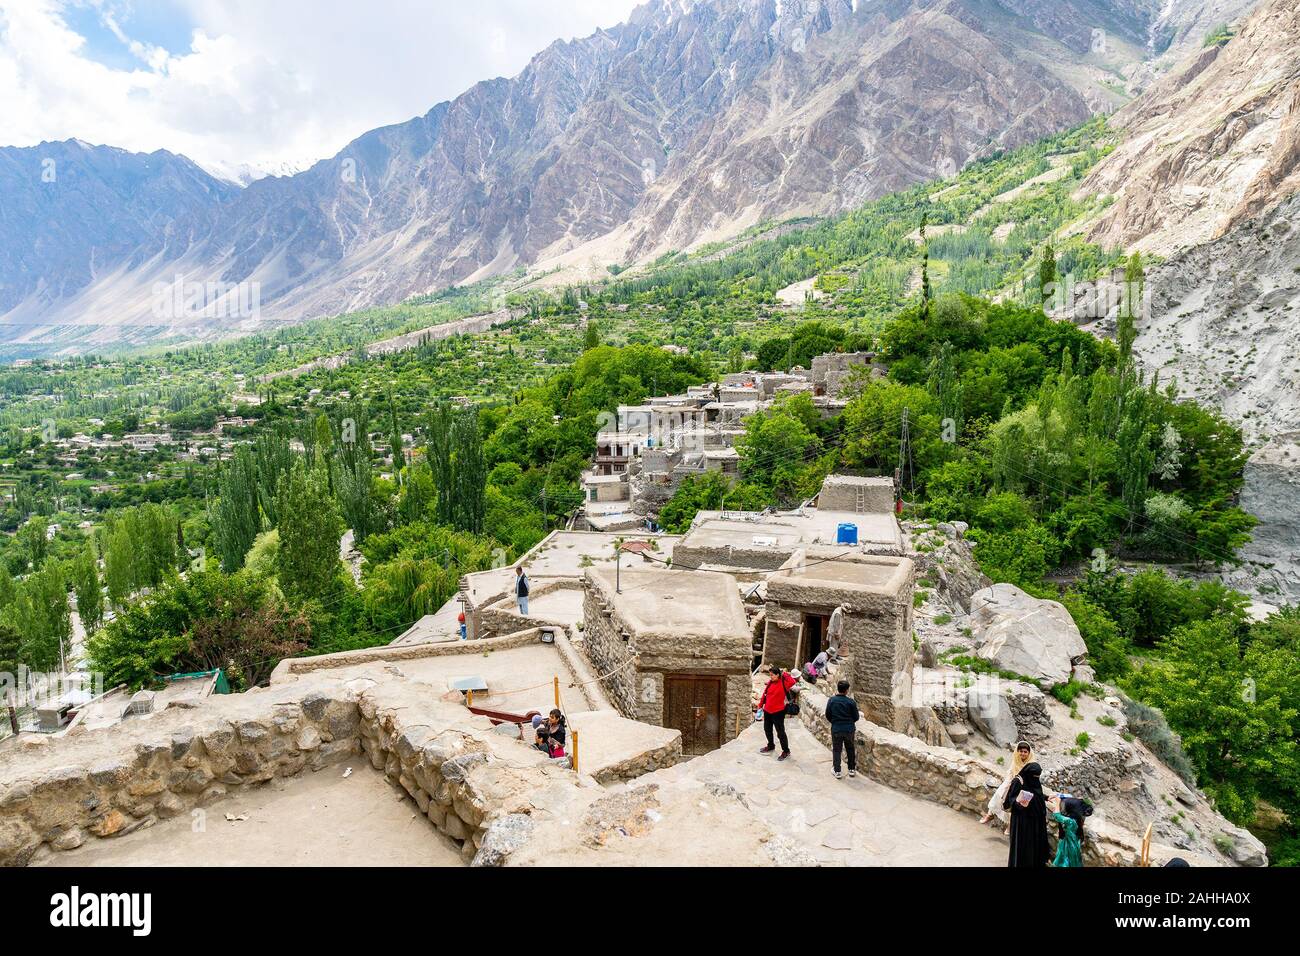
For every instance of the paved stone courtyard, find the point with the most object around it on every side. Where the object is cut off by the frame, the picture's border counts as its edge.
(850, 822)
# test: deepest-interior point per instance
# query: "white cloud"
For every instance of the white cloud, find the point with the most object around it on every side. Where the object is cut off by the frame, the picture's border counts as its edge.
(264, 83)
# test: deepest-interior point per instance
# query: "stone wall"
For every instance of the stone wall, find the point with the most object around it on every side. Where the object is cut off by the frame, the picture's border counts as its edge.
(695, 551)
(636, 663)
(964, 783)
(840, 493)
(292, 667)
(472, 783)
(475, 787)
(114, 781)
(876, 643)
(502, 616)
(904, 763)
(606, 646)
(781, 634)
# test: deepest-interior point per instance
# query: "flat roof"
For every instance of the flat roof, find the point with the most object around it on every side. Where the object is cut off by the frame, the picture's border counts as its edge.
(848, 572)
(698, 602)
(836, 581)
(566, 554)
(807, 526)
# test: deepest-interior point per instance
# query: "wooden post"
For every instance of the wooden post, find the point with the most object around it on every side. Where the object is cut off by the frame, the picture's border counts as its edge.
(13, 713)
(557, 692)
(469, 698)
(575, 750)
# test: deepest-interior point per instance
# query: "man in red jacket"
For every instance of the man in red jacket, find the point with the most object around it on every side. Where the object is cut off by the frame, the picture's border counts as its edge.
(773, 700)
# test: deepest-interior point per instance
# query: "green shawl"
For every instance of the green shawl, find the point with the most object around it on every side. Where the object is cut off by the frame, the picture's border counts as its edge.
(1068, 851)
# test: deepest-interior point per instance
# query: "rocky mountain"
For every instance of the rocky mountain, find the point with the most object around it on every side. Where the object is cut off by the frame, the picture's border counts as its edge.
(1224, 322)
(1211, 145)
(1180, 28)
(69, 211)
(689, 122)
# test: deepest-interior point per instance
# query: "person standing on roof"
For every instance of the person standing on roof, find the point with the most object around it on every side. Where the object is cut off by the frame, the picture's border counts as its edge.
(521, 590)
(772, 701)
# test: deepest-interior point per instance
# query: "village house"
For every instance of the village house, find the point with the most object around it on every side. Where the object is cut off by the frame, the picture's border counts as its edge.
(656, 444)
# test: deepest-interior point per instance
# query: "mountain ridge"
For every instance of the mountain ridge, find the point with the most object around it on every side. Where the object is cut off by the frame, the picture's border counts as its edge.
(614, 146)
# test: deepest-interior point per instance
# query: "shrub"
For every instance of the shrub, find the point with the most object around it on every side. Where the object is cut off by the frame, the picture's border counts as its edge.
(1066, 693)
(1150, 727)
(1107, 649)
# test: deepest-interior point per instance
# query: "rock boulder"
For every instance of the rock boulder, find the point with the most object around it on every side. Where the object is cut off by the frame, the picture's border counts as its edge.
(1026, 635)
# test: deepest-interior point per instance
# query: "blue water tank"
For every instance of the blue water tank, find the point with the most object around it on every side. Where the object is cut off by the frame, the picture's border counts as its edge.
(847, 533)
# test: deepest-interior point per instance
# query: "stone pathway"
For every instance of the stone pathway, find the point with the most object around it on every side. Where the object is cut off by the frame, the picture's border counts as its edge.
(849, 822)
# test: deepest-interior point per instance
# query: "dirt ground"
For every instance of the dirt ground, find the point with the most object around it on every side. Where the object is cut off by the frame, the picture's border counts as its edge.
(316, 819)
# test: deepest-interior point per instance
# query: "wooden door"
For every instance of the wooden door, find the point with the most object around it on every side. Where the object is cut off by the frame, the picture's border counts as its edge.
(693, 705)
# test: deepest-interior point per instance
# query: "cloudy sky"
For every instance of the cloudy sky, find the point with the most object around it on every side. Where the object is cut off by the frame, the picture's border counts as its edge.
(258, 82)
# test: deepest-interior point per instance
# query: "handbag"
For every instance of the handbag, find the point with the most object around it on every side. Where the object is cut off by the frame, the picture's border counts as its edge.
(792, 702)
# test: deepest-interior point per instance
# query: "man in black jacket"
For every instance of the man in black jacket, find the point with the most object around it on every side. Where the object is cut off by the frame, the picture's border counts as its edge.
(842, 712)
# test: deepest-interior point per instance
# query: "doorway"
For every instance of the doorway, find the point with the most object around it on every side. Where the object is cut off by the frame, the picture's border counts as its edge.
(813, 642)
(693, 705)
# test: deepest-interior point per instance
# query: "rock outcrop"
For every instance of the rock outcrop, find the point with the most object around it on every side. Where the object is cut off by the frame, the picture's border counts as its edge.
(1026, 635)
(1271, 493)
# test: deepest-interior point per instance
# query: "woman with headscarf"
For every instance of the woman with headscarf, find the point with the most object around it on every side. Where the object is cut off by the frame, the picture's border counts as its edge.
(1028, 809)
(1019, 758)
(1069, 848)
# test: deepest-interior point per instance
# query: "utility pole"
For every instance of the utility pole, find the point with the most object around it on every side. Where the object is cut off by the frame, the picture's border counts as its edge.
(905, 456)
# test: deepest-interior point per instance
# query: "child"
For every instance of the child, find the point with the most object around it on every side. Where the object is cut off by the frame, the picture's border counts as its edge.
(550, 735)
(1069, 851)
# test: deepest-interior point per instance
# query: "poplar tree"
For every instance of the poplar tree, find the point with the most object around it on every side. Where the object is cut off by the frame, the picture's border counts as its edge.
(307, 561)
(235, 516)
(85, 584)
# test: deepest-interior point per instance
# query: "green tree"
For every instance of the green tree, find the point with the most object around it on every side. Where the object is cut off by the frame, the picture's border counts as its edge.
(1130, 306)
(1235, 710)
(711, 491)
(207, 620)
(7, 588)
(235, 516)
(33, 539)
(84, 570)
(778, 448)
(40, 615)
(307, 561)
(1047, 274)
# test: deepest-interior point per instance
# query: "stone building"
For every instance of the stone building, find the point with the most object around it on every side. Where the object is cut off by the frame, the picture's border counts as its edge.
(677, 648)
(856, 494)
(875, 593)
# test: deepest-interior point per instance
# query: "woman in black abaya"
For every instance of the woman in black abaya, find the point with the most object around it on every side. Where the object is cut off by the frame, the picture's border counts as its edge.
(1028, 809)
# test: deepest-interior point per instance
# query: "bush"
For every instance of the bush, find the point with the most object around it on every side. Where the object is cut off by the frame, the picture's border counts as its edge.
(206, 620)
(1107, 649)
(1067, 692)
(1022, 557)
(1150, 727)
